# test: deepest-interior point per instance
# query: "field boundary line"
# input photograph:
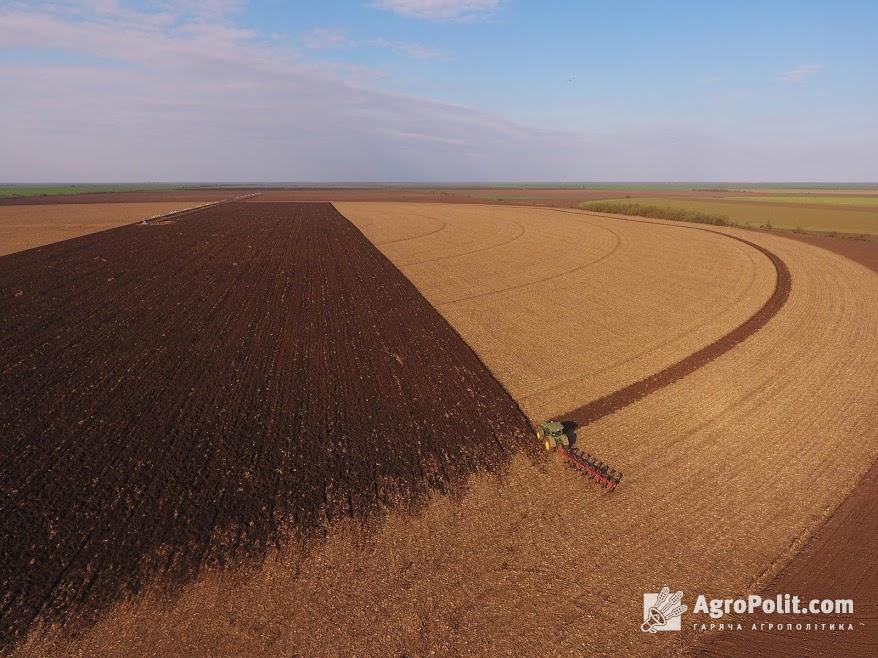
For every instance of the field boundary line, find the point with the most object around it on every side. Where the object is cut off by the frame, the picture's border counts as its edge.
(175, 213)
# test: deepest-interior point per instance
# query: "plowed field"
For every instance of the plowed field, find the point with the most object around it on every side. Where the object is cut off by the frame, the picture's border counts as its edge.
(190, 393)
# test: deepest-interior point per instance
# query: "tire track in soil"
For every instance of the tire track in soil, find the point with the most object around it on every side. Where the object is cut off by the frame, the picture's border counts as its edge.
(545, 279)
(189, 394)
(506, 241)
(442, 227)
(637, 355)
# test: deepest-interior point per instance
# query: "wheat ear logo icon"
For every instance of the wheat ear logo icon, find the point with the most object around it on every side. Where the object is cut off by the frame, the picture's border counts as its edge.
(665, 608)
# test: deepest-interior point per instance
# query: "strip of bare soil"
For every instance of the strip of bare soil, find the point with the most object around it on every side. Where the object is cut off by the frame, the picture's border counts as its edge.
(611, 403)
(186, 394)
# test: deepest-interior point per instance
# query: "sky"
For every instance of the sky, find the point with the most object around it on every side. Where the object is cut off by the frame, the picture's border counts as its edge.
(438, 91)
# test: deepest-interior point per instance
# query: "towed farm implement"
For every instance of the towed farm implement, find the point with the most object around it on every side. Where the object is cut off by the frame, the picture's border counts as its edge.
(553, 435)
(597, 470)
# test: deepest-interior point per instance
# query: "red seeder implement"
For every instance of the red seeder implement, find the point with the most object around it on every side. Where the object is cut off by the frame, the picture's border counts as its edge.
(597, 470)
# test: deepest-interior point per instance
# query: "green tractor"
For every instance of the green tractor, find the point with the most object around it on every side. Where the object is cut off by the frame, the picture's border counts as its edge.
(552, 434)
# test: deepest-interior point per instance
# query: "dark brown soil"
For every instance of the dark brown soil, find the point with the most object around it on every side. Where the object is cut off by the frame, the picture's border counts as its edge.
(838, 563)
(183, 395)
(862, 250)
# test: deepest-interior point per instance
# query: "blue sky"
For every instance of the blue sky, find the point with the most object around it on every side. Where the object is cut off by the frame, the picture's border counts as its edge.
(438, 90)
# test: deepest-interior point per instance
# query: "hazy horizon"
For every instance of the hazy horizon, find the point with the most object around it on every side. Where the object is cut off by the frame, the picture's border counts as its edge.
(364, 183)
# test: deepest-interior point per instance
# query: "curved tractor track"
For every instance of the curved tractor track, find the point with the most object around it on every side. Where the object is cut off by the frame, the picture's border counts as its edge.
(622, 397)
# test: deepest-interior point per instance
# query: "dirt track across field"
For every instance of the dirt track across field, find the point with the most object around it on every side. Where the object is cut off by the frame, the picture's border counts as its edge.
(192, 393)
(622, 397)
(28, 226)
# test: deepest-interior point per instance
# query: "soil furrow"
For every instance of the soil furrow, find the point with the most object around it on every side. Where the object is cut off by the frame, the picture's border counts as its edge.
(245, 376)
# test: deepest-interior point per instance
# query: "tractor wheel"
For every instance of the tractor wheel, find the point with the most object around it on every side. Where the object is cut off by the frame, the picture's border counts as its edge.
(540, 434)
(546, 443)
(553, 442)
(565, 440)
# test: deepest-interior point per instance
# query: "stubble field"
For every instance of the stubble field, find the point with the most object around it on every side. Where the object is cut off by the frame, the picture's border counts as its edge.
(563, 307)
(728, 471)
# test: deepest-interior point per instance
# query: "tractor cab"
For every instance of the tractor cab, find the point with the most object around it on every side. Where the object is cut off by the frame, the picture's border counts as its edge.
(551, 433)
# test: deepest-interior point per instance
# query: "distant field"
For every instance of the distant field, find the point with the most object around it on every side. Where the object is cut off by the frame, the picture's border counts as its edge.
(7, 191)
(809, 189)
(758, 212)
(831, 199)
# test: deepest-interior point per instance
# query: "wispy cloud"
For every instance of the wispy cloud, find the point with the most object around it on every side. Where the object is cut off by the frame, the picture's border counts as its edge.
(440, 10)
(333, 38)
(170, 93)
(416, 50)
(211, 9)
(800, 74)
(193, 98)
(321, 38)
